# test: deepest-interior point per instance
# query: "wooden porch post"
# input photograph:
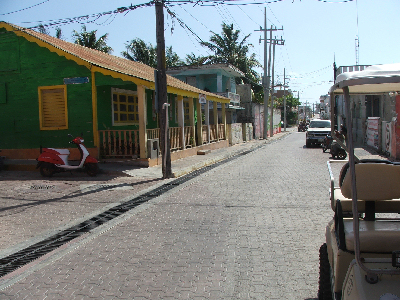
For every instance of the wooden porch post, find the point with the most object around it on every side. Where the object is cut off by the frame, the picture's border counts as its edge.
(215, 113)
(94, 115)
(207, 119)
(181, 121)
(191, 117)
(142, 121)
(199, 123)
(223, 113)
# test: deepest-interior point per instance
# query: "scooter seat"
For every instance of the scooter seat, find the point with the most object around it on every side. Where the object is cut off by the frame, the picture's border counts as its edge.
(60, 151)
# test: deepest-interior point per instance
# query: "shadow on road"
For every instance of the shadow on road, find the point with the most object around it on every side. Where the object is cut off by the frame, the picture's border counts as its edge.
(65, 198)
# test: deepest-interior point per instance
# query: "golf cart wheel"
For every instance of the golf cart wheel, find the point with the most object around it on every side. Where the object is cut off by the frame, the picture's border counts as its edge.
(47, 169)
(342, 154)
(92, 169)
(324, 283)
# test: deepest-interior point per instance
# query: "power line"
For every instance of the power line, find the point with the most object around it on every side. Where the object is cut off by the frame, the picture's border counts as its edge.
(183, 24)
(19, 10)
(92, 18)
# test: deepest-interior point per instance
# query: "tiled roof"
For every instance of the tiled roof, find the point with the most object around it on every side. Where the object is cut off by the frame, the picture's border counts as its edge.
(110, 62)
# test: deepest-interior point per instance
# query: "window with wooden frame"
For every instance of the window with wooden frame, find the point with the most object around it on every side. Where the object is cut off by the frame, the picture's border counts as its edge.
(186, 112)
(125, 107)
(53, 110)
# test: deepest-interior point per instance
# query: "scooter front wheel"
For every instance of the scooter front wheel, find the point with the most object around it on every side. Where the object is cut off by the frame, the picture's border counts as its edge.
(342, 154)
(47, 169)
(92, 169)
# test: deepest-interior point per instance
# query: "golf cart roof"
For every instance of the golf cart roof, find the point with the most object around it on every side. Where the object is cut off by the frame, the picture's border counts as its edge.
(372, 80)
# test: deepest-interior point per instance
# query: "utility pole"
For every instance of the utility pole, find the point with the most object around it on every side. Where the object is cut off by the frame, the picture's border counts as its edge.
(266, 81)
(305, 111)
(284, 99)
(298, 109)
(271, 121)
(162, 91)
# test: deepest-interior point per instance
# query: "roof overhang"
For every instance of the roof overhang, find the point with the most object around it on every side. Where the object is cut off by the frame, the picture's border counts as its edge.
(106, 64)
(226, 70)
(373, 80)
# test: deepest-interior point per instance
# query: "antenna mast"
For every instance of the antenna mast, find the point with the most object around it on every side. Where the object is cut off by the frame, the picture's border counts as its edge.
(357, 39)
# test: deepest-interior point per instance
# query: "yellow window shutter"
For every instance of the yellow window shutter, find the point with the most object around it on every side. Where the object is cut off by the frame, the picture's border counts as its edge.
(53, 108)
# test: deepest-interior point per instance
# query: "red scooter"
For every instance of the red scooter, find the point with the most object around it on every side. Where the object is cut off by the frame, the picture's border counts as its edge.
(53, 160)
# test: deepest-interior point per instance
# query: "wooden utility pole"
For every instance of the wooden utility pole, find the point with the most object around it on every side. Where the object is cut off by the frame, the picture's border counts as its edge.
(267, 64)
(161, 82)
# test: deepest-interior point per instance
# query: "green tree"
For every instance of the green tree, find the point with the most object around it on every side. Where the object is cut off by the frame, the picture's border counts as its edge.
(89, 40)
(59, 33)
(291, 102)
(229, 47)
(193, 60)
(172, 59)
(138, 50)
(42, 29)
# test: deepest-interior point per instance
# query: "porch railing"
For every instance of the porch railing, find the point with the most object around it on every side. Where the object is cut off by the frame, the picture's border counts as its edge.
(213, 133)
(119, 143)
(125, 143)
(175, 138)
(204, 130)
(189, 136)
(153, 133)
(221, 132)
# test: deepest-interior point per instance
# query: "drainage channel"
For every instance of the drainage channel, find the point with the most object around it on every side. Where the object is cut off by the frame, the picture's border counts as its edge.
(29, 254)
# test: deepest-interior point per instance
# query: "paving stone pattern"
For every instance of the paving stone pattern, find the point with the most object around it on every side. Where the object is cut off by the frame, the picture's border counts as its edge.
(32, 207)
(249, 229)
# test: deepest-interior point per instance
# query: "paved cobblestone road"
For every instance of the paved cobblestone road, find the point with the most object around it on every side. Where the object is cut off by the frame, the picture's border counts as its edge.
(33, 208)
(249, 229)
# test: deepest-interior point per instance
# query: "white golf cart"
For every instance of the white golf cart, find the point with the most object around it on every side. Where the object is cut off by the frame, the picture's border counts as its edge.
(361, 256)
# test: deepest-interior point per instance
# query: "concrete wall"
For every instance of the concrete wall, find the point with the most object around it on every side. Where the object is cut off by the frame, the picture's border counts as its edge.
(247, 130)
(235, 133)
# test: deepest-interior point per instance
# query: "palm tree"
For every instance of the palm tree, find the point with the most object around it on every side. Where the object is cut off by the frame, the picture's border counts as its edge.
(172, 58)
(59, 33)
(193, 60)
(229, 48)
(138, 50)
(89, 40)
(42, 29)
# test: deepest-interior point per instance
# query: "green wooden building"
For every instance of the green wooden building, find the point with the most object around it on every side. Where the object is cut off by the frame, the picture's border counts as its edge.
(50, 87)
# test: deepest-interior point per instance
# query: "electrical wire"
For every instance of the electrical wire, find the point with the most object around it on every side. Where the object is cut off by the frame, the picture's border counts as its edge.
(19, 10)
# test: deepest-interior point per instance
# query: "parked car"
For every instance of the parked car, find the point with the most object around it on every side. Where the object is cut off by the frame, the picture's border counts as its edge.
(317, 131)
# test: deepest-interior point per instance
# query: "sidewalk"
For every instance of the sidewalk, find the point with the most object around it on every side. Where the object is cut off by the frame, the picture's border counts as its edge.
(186, 165)
(179, 167)
(182, 166)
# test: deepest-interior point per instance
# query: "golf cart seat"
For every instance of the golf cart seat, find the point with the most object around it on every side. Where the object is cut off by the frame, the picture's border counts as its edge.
(366, 173)
(378, 187)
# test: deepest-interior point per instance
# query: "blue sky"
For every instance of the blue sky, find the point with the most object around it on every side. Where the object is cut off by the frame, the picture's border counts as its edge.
(315, 31)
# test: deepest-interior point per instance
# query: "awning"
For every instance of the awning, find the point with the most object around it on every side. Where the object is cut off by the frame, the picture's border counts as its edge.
(372, 80)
